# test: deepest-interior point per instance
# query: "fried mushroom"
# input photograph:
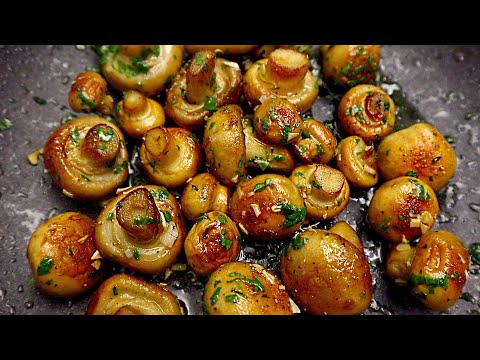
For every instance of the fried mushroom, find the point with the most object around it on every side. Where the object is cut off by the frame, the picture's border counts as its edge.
(63, 256)
(316, 144)
(88, 93)
(87, 158)
(142, 228)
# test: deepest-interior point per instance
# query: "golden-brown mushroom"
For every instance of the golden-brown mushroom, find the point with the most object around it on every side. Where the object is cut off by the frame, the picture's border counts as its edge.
(213, 240)
(285, 74)
(367, 111)
(436, 269)
(357, 162)
(87, 158)
(136, 114)
(343, 229)
(142, 228)
(326, 273)
(350, 65)
(88, 93)
(403, 209)
(207, 84)
(420, 151)
(277, 122)
(239, 288)
(325, 190)
(268, 207)
(317, 143)
(124, 294)
(170, 156)
(203, 194)
(225, 49)
(276, 158)
(146, 68)
(224, 145)
(63, 256)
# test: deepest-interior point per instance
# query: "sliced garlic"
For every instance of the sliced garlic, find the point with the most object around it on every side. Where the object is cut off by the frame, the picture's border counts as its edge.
(33, 157)
(256, 209)
(96, 264)
(82, 240)
(96, 256)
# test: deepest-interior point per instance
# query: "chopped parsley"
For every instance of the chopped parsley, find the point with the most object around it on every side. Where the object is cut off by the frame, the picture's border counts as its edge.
(298, 242)
(110, 216)
(354, 110)
(293, 214)
(231, 298)
(85, 100)
(103, 135)
(222, 219)
(432, 283)
(412, 174)
(474, 251)
(214, 297)
(383, 223)
(39, 100)
(210, 104)
(226, 242)
(44, 267)
(5, 124)
(194, 188)
(422, 194)
(167, 215)
(136, 255)
(162, 194)
(261, 186)
(257, 283)
(138, 221)
(201, 217)
(115, 291)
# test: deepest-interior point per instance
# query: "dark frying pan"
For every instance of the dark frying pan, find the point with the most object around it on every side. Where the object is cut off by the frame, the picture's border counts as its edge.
(436, 84)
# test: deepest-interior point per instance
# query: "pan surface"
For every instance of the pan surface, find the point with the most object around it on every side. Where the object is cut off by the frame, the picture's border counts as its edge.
(436, 84)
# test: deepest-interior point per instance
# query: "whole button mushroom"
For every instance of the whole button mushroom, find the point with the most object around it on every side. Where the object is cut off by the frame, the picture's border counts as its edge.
(136, 114)
(368, 112)
(170, 156)
(357, 161)
(224, 145)
(325, 190)
(268, 207)
(207, 84)
(88, 93)
(435, 270)
(124, 294)
(350, 65)
(284, 74)
(213, 240)
(142, 228)
(239, 288)
(420, 151)
(203, 194)
(146, 68)
(403, 209)
(326, 273)
(317, 144)
(87, 158)
(63, 255)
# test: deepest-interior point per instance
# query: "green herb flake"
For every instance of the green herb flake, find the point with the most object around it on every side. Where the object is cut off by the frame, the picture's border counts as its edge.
(216, 283)
(199, 60)
(39, 100)
(387, 152)
(214, 297)
(138, 221)
(450, 139)
(136, 255)
(315, 184)
(261, 186)
(470, 115)
(422, 194)
(474, 251)
(420, 294)
(115, 290)
(44, 267)
(167, 215)
(75, 136)
(201, 217)
(5, 124)
(363, 295)
(194, 188)
(383, 223)
(454, 275)
(84, 177)
(226, 242)
(49, 282)
(222, 219)
(231, 298)
(210, 104)
(257, 283)
(285, 131)
(293, 214)
(105, 135)
(429, 281)
(298, 242)
(162, 194)
(85, 100)
(412, 174)
(345, 69)
(212, 124)
(265, 124)
(110, 216)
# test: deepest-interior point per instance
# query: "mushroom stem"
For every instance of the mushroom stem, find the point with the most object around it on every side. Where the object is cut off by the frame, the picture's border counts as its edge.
(328, 182)
(200, 77)
(138, 215)
(159, 142)
(134, 103)
(101, 144)
(286, 67)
